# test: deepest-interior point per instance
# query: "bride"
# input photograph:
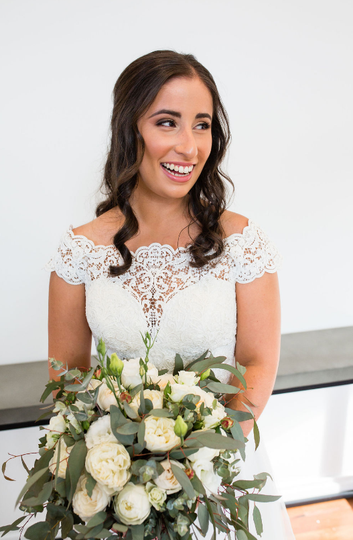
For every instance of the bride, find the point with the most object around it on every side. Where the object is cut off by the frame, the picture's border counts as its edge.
(163, 254)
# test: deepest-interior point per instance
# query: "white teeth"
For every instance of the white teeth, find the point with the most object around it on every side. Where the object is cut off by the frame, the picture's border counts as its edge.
(178, 168)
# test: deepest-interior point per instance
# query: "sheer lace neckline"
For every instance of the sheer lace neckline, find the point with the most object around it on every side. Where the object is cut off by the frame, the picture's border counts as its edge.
(152, 246)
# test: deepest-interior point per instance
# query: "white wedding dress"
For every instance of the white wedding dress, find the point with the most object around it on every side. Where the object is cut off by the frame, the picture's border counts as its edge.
(192, 309)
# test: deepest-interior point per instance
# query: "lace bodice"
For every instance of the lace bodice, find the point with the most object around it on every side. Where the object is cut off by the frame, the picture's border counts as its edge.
(193, 309)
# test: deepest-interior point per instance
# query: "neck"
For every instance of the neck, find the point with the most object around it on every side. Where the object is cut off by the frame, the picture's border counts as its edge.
(154, 212)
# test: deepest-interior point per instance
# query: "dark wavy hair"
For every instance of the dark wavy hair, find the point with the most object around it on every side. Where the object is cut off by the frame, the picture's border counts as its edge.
(134, 91)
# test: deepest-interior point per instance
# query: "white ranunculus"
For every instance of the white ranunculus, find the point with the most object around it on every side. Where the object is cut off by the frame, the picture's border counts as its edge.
(204, 453)
(132, 504)
(163, 380)
(109, 464)
(86, 507)
(130, 376)
(64, 456)
(106, 397)
(99, 431)
(156, 495)
(159, 434)
(153, 395)
(167, 480)
(178, 391)
(57, 426)
(187, 377)
(214, 419)
(204, 470)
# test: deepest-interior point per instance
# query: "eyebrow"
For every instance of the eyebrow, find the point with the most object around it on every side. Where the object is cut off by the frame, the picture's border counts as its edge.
(178, 115)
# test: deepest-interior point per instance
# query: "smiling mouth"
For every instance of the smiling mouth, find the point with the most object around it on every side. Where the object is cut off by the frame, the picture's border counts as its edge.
(178, 170)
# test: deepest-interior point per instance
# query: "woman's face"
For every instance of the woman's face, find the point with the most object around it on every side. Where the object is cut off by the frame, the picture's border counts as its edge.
(176, 130)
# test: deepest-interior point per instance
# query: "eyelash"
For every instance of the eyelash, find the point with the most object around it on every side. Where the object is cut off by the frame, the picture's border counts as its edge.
(205, 125)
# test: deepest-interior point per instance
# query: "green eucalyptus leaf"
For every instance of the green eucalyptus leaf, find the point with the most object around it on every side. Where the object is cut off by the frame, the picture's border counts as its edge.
(220, 388)
(49, 388)
(85, 398)
(67, 524)
(42, 497)
(76, 465)
(80, 387)
(30, 482)
(162, 413)
(239, 416)
(39, 531)
(90, 484)
(13, 527)
(178, 365)
(232, 370)
(141, 434)
(203, 516)
(257, 497)
(199, 359)
(257, 520)
(214, 440)
(256, 435)
(129, 428)
(183, 480)
(138, 532)
(241, 535)
(131, 413)
(210, 512)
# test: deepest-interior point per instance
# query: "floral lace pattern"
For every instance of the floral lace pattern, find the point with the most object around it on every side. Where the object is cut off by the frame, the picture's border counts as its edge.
(192, 308)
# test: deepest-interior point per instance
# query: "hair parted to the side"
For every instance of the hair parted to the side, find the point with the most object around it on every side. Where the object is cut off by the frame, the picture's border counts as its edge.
(134, 91)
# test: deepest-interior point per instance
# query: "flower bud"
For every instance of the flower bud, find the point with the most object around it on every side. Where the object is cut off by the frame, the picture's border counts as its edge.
(125, 396)
(180, 427)
(116, 365)
(227, 422)
(85, 425)
(142, 371)
(101, 347)
(190, 473)
(205, 374)
(98, 373)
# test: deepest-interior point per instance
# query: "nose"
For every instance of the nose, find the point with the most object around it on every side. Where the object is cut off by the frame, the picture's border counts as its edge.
(186, 144)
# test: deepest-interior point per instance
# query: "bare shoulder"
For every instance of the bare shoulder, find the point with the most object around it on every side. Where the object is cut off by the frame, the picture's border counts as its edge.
(102, 230)
(233, 223)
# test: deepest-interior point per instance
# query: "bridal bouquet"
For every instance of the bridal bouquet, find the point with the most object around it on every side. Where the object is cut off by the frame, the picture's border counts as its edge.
(139, 454)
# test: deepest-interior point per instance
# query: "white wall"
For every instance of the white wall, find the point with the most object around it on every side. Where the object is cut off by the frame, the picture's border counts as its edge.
(284, 70)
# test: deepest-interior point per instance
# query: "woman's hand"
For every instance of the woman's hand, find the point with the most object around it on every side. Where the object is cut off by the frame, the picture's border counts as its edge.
(258, 342)
(69, 334)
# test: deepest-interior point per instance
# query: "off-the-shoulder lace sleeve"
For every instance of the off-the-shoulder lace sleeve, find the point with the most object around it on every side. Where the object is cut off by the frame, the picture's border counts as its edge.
(252, 254)
(70, 260)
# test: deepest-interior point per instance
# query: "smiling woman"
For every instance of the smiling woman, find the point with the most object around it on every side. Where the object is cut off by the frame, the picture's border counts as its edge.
(164, 255)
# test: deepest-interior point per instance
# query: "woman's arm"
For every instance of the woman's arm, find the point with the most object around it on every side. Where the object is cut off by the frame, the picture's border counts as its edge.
(69, 333)
(258, 341)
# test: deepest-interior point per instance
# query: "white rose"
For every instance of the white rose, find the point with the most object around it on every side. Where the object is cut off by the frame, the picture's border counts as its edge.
(156, 495)
(167, 480)
(204, 470)
(187, 377)
(132, 504)
(64, 456)
(109, 464)
(163, 380)
(130, 376)
(159, 434)
(153, 395)
(204, 453)
(93, 384)
(106, 397)
(214, 419)
(83, 505)
(57, 426)
(178, 391)
(100, 431)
